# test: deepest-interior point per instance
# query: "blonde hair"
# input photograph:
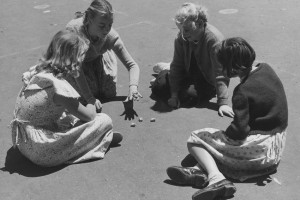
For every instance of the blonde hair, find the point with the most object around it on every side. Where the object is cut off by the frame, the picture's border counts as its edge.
(191, 12)
(63, 54)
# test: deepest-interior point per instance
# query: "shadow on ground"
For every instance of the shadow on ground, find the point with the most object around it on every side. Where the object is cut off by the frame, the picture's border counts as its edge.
(15, 162)
(161, 93)
(129, 113)
(161, 104)
(116, 98)
(189, 161)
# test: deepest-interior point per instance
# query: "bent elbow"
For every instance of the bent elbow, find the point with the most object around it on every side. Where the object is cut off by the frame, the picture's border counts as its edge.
(91, 116)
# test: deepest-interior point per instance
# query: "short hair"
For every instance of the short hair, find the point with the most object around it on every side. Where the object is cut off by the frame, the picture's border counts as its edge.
(191, 12)
(63, 52)
(235, 53)
(102, 7)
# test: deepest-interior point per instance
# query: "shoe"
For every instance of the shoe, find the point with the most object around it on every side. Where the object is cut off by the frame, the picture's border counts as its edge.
(224, 188)
(188, 176)
(160, 67)
(117, 138)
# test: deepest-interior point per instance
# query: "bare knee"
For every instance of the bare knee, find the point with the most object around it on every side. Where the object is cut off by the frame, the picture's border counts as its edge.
(190, 146)
(105, 120)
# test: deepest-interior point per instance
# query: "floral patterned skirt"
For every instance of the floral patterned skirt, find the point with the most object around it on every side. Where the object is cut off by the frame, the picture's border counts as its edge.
(255, 156)
(48, 147)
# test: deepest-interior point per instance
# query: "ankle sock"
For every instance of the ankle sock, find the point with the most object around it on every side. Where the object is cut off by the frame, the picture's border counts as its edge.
(214, 178)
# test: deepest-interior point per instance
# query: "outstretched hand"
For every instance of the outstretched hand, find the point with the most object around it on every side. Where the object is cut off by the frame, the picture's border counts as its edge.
(129, 112)
(98, 105)
(133, 93)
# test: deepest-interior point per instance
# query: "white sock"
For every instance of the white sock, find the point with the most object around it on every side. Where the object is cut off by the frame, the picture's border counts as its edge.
(216, 177)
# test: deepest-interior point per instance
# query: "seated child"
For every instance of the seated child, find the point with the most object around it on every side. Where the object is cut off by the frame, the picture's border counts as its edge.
(194, 75)
(98, 79)
(253, 143)
(50, 126)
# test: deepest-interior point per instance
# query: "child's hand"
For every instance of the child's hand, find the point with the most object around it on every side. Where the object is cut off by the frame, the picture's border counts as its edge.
(226, 110)
(26, 77)
(174, 102)
(96, 102)
(98, 105)
(29, 74)
(133, 93)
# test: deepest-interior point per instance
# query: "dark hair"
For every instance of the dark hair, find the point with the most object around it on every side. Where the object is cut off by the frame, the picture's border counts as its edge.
(102, 7)
(235, 54)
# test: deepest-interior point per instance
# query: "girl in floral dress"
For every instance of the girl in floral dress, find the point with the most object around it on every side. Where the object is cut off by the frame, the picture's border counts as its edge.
(50, 126)
(253, 143)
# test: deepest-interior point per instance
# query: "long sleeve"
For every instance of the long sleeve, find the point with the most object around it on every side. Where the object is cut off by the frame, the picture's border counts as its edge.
(239, 127)
(177, 67)
(221, 81)
(127, 60)
(259, 104)
(214, 37)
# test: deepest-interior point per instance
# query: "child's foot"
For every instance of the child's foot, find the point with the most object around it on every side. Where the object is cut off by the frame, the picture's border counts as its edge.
(117, 138)
(223, 188)
(187, 176)
(161, 66)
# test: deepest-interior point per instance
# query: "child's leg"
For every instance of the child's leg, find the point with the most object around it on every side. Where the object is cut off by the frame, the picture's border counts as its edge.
(206, 161)
(203, 90)
(218, 185)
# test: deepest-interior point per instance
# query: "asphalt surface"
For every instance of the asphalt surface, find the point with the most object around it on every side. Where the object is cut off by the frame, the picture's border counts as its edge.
(136, 169)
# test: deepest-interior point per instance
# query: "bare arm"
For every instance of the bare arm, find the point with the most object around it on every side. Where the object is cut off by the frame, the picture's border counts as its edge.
(86, 92)
(85, 113)
(132, 67)
(124, 56)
